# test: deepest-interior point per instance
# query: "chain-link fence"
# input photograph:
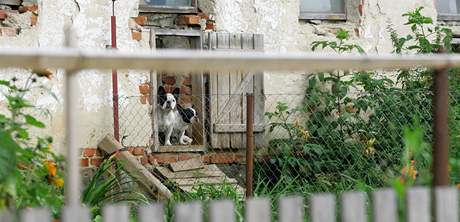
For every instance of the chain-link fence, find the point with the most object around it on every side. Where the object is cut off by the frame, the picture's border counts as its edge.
(322, 139)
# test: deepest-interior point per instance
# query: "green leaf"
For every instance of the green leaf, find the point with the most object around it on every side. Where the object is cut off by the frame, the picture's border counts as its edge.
(34, 122)
(342, 34)
(8, 149)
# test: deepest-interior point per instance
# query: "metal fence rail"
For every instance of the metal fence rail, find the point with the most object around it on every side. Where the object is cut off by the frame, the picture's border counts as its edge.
(379, 206)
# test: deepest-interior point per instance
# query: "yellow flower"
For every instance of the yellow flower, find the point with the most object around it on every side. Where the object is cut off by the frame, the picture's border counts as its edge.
(58, 182)
(51, 167)
(458, 186)
(369, 147)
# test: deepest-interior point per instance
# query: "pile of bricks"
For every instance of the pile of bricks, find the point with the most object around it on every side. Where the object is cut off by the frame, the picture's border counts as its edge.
(14, 18)
(93, 157)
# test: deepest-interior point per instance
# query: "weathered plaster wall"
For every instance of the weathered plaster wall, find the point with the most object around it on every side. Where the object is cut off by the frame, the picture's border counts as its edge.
(91, 21)
(278, 21)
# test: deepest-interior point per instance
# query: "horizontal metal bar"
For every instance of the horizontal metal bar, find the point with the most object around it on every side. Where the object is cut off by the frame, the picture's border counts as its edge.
(197, 61)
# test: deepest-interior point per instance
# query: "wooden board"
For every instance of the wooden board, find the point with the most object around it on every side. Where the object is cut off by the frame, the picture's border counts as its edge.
(187, 165)
(228, 93)
(206, 181)
(152, 184)
(207, 171)
(189, 189)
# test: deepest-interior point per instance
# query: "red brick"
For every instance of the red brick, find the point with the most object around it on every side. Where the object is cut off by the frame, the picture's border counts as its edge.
(206, 158)
(144, 160)
(240, 158)
(186, 90)
(131, 149)
(8, 31)
(138, 151)
(2, 15)
(136, 35)
(33, 20)
(84, 162)
(203, 15)
(187, 80)
(144, 88)
(185, 99)
(89, 152)
(96, 162)
(361, 9)
(210, 26)
(186, 156)
(222, 158)
(141, 20)
(32, 8)
(163, 158)
(188, 20)
(169, 80)
(169, 89)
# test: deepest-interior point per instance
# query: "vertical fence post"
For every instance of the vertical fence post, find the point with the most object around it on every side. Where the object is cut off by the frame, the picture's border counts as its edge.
(73, 182)
(116, 125)
(249, 143)
(440, 127)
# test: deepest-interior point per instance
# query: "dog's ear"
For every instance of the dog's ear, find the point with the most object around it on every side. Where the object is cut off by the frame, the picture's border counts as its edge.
(193, 106)
(161, 90)
(176, 92)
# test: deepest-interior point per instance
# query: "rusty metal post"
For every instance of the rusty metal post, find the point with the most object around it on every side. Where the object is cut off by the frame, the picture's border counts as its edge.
(116, 125)
(440, 127)
(249, 143)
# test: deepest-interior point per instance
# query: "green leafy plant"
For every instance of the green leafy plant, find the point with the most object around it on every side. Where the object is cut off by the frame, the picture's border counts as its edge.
(110, 184)
(30, 170)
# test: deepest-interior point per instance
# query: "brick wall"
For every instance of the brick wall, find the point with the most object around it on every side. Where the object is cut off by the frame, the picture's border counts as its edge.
(170, 82)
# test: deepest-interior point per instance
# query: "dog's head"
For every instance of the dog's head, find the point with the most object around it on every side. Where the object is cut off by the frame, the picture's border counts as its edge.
(187, 114)
(167, 101)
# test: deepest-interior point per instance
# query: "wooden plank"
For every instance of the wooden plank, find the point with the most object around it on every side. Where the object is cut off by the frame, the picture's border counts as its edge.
(236, 112)
(35, 215)
(258, 210)
(152, 213)
(75, 214)
(418, 205)
(223, 40)
(354, 207)
(204, 181)
(446, 208)
(135, 169)
(198, 129)
(181, 149)
(323, 208)
(188, 212)
(221, 211)
(115, 213)
(207, 171)
(214, 108)
(247, 44)
(190, 164)
(235, 100)
(236, 128)
(291, 209)
(384, 206)
(177, 32)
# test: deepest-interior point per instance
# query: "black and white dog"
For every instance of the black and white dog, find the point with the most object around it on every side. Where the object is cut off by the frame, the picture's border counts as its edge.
(173, 119)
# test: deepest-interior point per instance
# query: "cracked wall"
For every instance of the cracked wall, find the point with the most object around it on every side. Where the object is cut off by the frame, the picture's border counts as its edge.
(276, 19)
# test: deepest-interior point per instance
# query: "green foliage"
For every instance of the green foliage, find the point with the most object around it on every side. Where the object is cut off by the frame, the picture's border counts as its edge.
(356, 122)
(30, 171)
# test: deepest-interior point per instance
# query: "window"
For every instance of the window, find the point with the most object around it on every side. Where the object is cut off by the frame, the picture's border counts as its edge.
(168, 6)
(448, 9)
(323, 9)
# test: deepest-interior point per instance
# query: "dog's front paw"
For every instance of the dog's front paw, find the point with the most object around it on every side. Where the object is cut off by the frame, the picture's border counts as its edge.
(168, 143)
(185, 140)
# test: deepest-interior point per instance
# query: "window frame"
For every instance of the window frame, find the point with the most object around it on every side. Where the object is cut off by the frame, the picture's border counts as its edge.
(333, 16)
(144, 7)
(447, 16)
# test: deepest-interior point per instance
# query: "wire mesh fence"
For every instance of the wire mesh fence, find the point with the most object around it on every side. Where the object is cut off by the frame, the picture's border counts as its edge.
(320, 140)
